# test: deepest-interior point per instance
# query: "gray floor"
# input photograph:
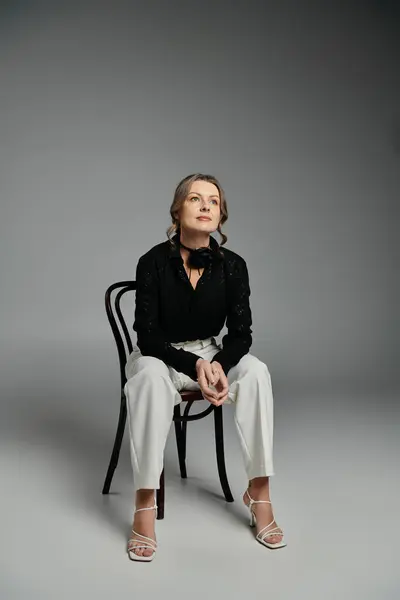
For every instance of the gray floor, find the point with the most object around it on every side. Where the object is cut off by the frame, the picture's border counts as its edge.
(335, 493)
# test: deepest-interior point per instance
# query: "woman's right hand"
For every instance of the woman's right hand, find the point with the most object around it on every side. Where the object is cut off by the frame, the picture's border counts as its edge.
(207, 377)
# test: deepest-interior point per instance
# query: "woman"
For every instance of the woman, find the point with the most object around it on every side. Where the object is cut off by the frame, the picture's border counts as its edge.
(186, 287)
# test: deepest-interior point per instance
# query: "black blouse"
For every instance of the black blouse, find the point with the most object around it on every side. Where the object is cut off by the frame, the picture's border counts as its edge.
(168, 308)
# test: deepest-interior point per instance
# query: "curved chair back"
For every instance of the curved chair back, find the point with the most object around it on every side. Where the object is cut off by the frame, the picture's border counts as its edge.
(117, 321)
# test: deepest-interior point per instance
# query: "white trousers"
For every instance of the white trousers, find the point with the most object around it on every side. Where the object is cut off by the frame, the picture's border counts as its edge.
(152, 390)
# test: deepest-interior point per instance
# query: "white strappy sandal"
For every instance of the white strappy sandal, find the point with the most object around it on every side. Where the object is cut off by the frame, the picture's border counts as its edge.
(147, 543)
(263, 533)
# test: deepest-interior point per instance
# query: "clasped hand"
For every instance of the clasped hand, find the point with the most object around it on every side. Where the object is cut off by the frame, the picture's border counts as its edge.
(212, 374)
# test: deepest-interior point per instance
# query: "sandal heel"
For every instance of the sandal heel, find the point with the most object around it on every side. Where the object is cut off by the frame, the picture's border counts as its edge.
(252, 519)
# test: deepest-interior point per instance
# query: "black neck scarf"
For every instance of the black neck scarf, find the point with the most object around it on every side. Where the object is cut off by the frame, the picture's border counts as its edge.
(199, 258)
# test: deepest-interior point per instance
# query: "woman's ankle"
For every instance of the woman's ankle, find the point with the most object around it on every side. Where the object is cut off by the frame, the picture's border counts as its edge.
(258, 485)
(145, 498)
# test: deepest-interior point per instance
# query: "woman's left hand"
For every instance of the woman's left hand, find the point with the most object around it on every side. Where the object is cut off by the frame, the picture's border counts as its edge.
(220, 383)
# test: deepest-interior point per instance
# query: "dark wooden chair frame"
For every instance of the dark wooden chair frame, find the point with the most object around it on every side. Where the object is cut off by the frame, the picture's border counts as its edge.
(118, 324)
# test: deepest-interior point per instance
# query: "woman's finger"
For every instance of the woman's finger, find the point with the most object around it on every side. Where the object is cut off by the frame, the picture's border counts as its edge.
(211, 382)
(222, 401)
(205, 373)
(206, 378)
(202, 380)
(209, 398)
(205, 389)
(209, 393)
(223, 388)
(212, 379)
(216, 372)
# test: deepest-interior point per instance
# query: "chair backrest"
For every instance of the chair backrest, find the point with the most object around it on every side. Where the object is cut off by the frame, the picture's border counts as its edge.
(117, 321)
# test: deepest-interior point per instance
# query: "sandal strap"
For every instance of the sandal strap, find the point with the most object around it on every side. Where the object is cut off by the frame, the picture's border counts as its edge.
(266, 527)
(272, 532)
(150, 543)
(262, 534)
(144, 537)
(147, 508)
(132, 546)
(146, 542)
(257, 501)
(268, 534)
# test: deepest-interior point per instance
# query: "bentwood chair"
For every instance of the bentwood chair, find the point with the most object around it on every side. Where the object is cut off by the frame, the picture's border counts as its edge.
(124, 348)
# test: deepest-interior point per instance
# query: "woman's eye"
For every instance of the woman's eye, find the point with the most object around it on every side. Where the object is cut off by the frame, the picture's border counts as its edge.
(194, 198)
(215, 202)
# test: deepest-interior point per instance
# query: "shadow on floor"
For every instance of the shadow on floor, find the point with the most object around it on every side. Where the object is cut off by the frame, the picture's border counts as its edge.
(66, 431)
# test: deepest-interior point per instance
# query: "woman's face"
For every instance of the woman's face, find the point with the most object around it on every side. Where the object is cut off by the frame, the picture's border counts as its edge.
(201, 210)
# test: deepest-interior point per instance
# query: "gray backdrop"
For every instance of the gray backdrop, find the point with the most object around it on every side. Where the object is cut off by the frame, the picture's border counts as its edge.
(104, 107)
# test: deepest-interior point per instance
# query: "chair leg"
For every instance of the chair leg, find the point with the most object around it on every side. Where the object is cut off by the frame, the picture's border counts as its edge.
(184, 430)
(117, 446)
(160, 497)
(219, 446)
(180, 443)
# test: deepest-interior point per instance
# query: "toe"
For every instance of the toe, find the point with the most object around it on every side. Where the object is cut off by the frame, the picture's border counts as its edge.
(136, 550)
(274, 539)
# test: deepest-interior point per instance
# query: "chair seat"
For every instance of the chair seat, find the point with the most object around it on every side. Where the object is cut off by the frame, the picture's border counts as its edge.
(191, 395)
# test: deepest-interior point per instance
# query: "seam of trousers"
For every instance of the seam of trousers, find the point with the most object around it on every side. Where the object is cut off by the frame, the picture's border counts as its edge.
(242, 438)
(167, 380)
(130, 432)
(238, 426)
(249, 455)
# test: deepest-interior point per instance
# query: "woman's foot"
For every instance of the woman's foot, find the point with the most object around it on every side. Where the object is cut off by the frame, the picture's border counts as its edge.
(259, 490)
(143, 524)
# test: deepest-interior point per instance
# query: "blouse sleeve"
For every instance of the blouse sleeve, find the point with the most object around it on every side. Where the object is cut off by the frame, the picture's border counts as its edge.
(237, 342)
(150, 337)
